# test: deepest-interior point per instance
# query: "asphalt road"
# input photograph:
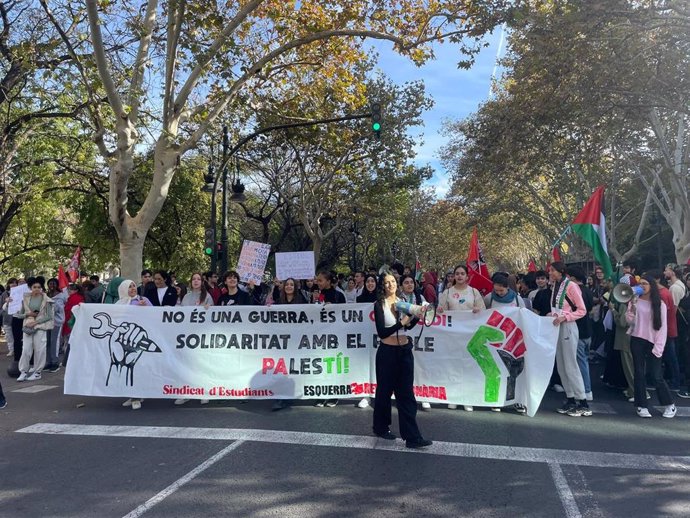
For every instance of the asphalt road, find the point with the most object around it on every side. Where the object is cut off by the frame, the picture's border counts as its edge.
(73, 456)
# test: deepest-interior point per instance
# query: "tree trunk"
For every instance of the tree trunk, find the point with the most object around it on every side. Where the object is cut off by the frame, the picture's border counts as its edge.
(317, 242)
(132, 231)
(681, 238)
(132, 253)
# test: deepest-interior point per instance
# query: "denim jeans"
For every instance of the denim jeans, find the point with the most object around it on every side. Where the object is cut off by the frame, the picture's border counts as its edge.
(583, 361)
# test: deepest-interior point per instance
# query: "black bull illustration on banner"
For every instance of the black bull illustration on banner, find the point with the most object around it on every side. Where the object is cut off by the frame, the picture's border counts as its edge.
(127, 343)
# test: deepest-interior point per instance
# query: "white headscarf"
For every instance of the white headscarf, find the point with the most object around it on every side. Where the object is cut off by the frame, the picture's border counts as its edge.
(123, 290)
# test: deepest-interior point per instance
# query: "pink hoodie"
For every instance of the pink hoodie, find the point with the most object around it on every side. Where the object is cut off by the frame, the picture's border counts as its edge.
(573, 292)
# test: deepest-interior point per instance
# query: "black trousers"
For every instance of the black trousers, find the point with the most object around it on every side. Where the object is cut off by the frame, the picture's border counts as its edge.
(642, 357)
(17, 324)
(395, 375)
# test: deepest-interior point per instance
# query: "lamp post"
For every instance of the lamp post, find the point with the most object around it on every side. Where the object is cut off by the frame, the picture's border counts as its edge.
(224, 209)
(210, 186)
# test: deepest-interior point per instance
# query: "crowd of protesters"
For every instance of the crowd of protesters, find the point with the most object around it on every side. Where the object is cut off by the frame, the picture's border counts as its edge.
(643, 345)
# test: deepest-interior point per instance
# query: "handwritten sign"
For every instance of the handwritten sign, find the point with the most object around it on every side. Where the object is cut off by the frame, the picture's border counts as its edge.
(252, 261)
(17, 295)
(298, 265)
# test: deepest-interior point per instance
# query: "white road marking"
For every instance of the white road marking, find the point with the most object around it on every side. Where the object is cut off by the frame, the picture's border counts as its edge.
(34, 389)
(597, 459)
(182, 481)
(564, 492)
(583, 495)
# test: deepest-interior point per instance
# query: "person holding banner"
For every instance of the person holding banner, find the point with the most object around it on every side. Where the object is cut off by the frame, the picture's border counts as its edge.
(460, 295)
(197, 296)
(289, 294)
(128, 294)
(463, 297)
(328, 294)
(233, 295)
(159, 292)
(395, 368)
(567, 306)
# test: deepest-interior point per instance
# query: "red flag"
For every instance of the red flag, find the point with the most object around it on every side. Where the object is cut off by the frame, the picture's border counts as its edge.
(73, 266)
(556, 252)
(476, 267)
(63, 281)
(532, 266)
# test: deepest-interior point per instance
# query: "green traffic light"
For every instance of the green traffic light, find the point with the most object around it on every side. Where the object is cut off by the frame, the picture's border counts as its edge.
(208, 250)
(376, 126)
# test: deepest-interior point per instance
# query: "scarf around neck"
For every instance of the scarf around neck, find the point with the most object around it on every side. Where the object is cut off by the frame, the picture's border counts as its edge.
(505, 299)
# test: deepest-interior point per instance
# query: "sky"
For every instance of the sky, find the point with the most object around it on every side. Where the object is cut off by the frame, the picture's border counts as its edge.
(456, 93)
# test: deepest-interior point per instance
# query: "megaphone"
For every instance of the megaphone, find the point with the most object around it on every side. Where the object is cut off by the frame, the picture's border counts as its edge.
(624, 293)
(427, 312)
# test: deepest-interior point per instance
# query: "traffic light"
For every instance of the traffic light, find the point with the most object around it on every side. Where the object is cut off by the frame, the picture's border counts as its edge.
(209, 241)
(219, 252)
(376, 118)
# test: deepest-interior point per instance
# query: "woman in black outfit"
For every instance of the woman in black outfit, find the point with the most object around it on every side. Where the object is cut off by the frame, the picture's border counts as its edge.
(395, 368)
(369, 290)
(328, 295)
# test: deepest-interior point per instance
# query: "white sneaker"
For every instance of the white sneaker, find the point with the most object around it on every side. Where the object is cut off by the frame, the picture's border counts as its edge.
(644, 412)
(204, 401)
(495, 409)
(34, 377)
(136, 404)
(22, 377)
(632, 399)
(181, 401)
(589, 396)
(558, 388)
(364, 403)
(468, 408)
(670, 411)
(426, 406)
(10, 353)
(452, 407)
(127, 403)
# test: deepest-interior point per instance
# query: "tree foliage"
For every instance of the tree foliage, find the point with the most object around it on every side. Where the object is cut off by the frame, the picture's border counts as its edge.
(592, 94)
(171, 70)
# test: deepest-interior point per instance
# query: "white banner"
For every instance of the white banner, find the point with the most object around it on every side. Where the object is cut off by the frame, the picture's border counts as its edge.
(489, 358)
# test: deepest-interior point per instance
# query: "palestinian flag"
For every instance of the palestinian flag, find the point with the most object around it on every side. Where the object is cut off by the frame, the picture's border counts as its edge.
(590, 225)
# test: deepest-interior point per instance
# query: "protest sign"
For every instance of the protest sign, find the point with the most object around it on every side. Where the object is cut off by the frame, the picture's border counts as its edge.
(17, 295)
(492, 358)
(298, 265)
(252, 261)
